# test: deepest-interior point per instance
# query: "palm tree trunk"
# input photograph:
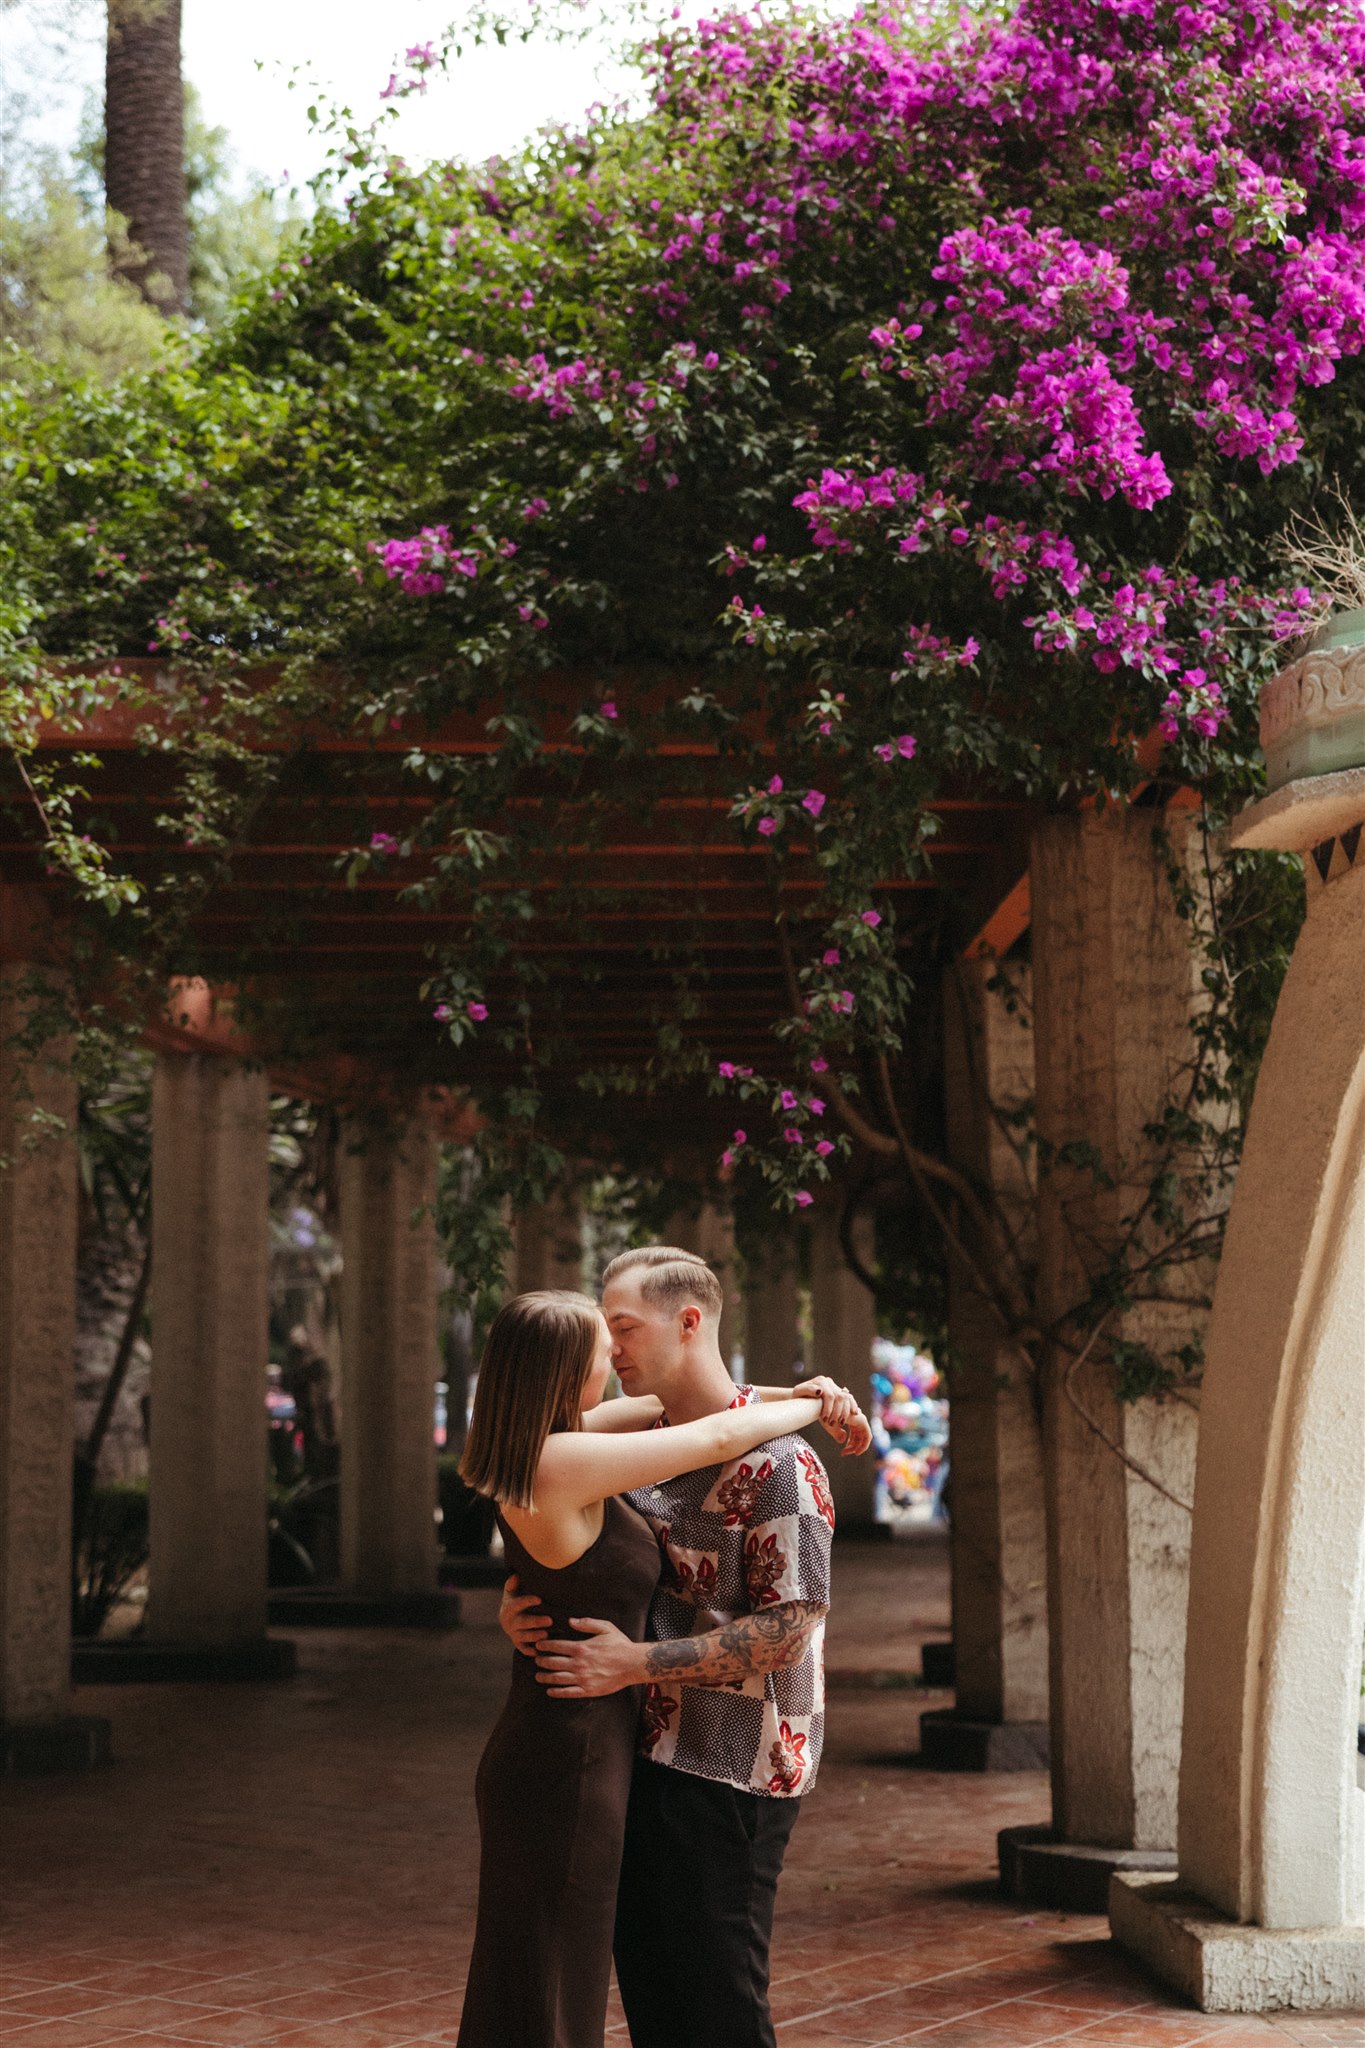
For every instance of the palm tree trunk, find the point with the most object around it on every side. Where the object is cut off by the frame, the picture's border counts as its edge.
(144, 148)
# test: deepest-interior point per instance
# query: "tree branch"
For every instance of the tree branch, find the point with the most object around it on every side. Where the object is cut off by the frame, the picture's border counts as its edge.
(118, 1372)
(1139, 1471)
(1018, 1323)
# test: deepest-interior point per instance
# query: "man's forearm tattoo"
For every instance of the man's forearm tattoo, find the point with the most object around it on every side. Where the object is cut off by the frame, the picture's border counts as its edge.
(766, 1641)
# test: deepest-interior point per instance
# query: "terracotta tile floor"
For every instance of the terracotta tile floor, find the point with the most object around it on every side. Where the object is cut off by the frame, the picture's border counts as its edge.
(295, 1864)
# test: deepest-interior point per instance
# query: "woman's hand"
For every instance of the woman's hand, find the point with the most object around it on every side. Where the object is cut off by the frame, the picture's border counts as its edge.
(522, 1618)
(840, 1414)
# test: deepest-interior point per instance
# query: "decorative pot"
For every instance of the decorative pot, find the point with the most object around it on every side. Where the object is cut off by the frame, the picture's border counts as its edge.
(1313, 712)
(1343, 629)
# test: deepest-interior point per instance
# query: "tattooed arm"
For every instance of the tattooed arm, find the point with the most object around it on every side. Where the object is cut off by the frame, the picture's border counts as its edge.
(766, 1641)
(607, 1661)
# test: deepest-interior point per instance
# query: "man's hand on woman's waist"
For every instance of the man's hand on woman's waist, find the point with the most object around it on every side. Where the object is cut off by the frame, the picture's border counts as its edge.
(522, 1618)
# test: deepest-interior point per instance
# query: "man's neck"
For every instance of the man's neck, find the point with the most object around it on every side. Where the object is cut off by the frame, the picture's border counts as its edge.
(703, 1387)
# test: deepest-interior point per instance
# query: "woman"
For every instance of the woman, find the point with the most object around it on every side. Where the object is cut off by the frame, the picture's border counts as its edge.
(553, 1781)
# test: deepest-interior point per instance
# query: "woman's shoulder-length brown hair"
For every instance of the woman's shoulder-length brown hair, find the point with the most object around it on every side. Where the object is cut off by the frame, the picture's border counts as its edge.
(531, 1377)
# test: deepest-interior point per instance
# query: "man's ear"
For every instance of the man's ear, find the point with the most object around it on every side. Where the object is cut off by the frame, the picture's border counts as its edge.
(690, 1322)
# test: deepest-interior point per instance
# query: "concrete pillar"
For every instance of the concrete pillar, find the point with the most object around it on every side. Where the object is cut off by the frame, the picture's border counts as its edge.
(38, 1197)
(390, 1364)
(210, 1312)
(547, 1246)
(1268, 1908)
(1115, 982)
(709, 1231)
(772, 1327)
(999, 1528)
(844, 1323)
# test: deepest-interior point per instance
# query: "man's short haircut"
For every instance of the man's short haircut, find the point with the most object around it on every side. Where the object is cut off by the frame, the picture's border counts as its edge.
(669, 1279)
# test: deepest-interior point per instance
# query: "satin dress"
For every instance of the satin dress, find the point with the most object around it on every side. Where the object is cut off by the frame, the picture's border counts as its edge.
(551, 1792)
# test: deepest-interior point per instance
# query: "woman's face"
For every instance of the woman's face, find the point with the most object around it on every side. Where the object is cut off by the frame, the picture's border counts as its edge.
(599, 1371)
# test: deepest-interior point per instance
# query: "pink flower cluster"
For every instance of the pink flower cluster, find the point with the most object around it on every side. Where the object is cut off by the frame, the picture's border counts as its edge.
(1180, 317)
(1028, 373)
(419, 58)
(425, 562)
(563, 389)
(1158, 624)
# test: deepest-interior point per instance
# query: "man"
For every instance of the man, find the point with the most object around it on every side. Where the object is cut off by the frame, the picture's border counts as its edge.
(732, 1673)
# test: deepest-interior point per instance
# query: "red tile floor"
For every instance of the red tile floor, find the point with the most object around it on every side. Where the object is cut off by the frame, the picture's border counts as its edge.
(296, 1864)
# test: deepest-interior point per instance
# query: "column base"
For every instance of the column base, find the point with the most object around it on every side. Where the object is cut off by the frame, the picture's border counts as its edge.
(952, 1741)
(333, 1607)
(40, 1749)
(1225, 1967)
(136, 1662)
(1073, 1877)
(938, 1665)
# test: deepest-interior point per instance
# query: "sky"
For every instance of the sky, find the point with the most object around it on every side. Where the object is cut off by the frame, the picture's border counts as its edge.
(493, 101)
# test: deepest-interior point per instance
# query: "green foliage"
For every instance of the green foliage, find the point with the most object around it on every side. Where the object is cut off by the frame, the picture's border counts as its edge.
(112, 1550)
(63, 318)
(484, 353)
(474, 1201)
(114, 1136)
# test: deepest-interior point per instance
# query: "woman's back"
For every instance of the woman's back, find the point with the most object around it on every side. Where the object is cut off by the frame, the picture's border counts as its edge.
(613, 1580)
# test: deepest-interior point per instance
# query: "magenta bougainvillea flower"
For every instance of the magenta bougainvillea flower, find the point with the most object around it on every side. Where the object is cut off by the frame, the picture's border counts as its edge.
(971, 361)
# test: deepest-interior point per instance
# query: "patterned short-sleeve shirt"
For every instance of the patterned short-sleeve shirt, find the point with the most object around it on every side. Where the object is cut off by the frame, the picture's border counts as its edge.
(737, 1538)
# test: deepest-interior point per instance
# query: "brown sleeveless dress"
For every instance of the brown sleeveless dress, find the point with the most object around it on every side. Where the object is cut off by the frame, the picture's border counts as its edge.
(551, 1791)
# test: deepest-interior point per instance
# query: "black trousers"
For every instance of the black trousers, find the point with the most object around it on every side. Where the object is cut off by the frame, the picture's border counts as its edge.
(694, 1913)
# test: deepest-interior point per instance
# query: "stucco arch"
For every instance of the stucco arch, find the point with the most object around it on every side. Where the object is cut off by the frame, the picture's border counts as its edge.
(1272, 1823)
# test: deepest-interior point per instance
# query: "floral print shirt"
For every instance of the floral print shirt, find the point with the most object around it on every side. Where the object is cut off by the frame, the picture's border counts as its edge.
(736, 1538)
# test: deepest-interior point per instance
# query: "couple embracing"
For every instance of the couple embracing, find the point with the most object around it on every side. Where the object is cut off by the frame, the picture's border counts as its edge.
(670, 1553)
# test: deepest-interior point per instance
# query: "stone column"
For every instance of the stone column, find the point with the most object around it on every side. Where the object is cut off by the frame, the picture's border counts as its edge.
(844, 1323)
(1115, 983)
(772, 1328)
(709, 1231)
(999, 1528)
(38, 1198)
(547, 1246)
(390, 1366)
(1268, 1908)
(210, 1316)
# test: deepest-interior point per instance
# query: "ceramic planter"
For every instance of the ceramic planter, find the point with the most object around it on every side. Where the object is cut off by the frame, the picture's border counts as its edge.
(1313, 712)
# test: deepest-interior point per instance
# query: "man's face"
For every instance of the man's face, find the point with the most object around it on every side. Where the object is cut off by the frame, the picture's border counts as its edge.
(647, 1343)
